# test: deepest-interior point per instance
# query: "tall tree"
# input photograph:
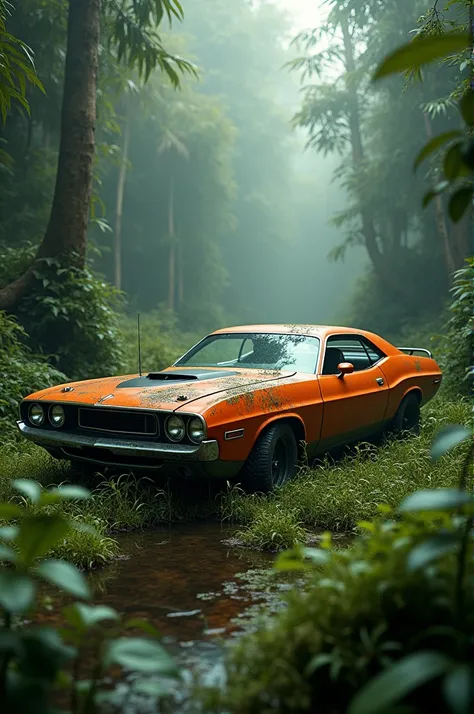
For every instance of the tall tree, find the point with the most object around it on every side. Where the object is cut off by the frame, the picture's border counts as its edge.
(131, 29)
(376, 131)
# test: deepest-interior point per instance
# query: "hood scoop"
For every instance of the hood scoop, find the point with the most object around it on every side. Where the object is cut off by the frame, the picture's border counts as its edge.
(170, 376)
(155, 379)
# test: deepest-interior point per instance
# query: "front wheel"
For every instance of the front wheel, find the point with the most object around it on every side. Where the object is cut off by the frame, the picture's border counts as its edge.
(272, 462)
(407, 418)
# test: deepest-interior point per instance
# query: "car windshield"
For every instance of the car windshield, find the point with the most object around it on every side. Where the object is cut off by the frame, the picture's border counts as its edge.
(297, 353)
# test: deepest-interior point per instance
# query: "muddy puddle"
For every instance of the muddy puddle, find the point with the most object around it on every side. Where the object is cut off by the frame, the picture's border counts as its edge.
(198, 591)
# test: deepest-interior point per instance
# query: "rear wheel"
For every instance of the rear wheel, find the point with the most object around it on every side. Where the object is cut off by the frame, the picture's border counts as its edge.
(407, 418)
(273, 460)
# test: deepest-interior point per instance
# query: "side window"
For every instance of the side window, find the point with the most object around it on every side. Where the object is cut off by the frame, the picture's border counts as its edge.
(348, 348)
(375, 354)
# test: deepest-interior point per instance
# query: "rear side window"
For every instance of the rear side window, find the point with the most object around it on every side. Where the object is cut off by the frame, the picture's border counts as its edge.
(362, 353)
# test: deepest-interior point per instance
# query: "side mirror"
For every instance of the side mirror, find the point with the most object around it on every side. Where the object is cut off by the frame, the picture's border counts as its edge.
(344, 368)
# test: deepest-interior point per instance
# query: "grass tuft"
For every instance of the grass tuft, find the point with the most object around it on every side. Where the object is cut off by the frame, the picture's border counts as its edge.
(274, 528)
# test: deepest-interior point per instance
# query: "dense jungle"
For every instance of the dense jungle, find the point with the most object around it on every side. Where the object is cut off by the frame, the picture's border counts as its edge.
(170, 169)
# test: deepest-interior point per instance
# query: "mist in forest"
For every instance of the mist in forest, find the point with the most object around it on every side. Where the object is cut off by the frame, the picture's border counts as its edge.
(275, 184)
(220, 166)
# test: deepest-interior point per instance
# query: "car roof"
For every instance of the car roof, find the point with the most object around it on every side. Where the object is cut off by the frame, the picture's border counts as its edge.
(321, 331)
(316, 330)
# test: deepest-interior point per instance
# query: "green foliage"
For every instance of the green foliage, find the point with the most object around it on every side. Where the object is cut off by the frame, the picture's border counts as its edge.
(36, 661)
(375, 628)
(132, 34)
(457, 345)
(422, 51)
(16, 67)
(274, 527)
(21, 373)
(458, 164)
(70, 314)
(337, 495)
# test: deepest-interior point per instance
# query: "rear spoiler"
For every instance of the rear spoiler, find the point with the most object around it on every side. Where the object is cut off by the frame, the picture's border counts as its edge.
(415, 351)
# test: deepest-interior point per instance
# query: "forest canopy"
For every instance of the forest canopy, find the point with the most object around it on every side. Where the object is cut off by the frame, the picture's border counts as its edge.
(200, 202)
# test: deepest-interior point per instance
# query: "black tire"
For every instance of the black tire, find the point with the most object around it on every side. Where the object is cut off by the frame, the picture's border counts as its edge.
(407, 419)
(272, 462)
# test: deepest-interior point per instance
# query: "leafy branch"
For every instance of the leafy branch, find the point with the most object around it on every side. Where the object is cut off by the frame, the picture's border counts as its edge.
(136, 41)
(458, 163)
(17, 67)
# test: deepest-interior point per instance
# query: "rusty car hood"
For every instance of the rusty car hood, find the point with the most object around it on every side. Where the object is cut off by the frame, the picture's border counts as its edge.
(160, 390)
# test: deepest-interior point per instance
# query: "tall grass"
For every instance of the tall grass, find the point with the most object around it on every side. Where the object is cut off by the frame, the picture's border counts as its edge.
(332, 496)
(335, 496)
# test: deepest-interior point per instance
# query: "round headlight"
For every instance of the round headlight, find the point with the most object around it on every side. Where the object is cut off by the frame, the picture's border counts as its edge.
(196, 430)
(36, 414)
(56, 415)
(175, 429)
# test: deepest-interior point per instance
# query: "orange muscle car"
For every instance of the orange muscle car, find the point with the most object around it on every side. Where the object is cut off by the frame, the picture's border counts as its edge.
(245, 403)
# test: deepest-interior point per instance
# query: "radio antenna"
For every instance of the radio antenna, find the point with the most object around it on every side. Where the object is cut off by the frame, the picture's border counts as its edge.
(139, 346)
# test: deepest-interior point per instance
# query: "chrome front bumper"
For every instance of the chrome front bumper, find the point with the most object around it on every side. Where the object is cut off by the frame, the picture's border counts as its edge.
(125, 447)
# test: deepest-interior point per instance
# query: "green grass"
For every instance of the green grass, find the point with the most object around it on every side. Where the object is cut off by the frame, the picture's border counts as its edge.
(333, 496)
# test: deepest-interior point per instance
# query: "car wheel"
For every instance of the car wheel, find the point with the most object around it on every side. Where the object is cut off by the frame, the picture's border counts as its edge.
(407, 418)
(272, 461)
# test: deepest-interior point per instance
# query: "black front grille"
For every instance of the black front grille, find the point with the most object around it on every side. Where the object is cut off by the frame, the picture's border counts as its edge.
(123, 422)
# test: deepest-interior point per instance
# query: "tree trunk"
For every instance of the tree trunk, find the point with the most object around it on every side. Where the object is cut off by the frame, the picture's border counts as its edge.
(368, 228)
(67, 229)
(441, 217)
(172, 253)
(119, 207)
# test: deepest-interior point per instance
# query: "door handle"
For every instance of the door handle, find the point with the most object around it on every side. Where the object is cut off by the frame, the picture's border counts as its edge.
(380, 381)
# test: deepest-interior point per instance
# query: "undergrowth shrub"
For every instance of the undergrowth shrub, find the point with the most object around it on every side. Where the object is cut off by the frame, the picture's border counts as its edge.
(71, 315)
(456, 347)
(273, 528)
(21, 372)
(77, 663)
(363, 609)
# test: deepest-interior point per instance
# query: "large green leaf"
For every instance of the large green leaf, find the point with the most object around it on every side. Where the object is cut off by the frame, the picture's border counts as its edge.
(42, 654)
(7, 554)
(64, 493)
(65, 576)
(83, 616)
(17, 592)
(435, 143)
(31, 489)
(9, 533)
(441, 499)
(448, 438)
(457, 688)
(460, 202)
(139, 655)
(394, 683)
(295, 559)
(39, 534)
(434, 547)
(453, 164)
(422, 51)
(9, 511)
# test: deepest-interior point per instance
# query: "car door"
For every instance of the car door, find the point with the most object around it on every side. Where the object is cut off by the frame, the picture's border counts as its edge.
(354, 405)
